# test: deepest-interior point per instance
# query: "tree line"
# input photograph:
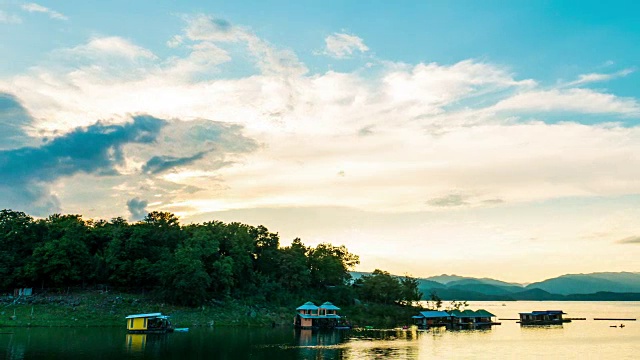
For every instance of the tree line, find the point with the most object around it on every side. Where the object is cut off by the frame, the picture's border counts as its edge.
(183, 264)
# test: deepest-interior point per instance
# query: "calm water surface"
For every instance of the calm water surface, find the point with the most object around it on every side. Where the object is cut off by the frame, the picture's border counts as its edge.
(587, 339)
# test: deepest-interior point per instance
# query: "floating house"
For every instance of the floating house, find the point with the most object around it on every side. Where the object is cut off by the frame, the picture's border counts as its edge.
(310, 316)
(457, 318)
(472, 318)
(547, 317)
(432, 318)
(154, 323)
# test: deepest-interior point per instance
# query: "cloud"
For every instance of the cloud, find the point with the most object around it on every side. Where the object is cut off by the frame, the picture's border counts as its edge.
(33, 7)
(137, 209)
(629, 240)
(340, 45)
(97, 149)
(6, 18)
(158, 164)
(13, 119)
(451, 200)
(111, 45)
(598, 77)
(576, 100)
(207, 32)
(276, 135)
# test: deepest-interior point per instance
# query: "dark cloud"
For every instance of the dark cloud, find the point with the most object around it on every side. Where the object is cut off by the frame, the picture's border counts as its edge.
(158, 164)
(137, 209)
(450, 200)
(365, 131)
(221, 24)
(96, 149)
(630, 240)
(13, 118)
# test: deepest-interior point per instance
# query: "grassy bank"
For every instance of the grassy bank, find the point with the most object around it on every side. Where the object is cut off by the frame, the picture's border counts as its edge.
(109, 309)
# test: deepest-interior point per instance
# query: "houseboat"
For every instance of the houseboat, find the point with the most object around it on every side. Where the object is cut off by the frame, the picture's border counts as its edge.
(455, 318)
(547, 317)
(325, 316)
(478, 318)
(432, 318)
(154, 323)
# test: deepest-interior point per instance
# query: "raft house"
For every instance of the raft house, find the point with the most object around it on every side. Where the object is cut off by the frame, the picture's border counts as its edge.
(325, 316)
(547, 317)
(432, 318)
(154, 323)
(455, 318)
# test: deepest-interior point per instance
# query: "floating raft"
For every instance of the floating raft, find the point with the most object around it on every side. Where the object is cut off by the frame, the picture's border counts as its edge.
(616, 319)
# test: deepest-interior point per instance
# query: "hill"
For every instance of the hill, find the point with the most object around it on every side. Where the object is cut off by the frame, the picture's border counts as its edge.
(590, 283)
(623, 286)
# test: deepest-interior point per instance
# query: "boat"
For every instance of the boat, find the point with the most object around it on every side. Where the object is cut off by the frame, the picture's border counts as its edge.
(546, 317)
(181, 330)
(152, 323)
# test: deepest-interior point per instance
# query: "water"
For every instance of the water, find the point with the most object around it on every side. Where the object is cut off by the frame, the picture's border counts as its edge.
(587, 339)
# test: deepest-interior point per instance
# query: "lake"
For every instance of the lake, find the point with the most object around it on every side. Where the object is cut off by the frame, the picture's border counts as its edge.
(578, 339)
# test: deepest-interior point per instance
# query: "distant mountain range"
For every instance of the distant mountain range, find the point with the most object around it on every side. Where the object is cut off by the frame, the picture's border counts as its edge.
(606, 286)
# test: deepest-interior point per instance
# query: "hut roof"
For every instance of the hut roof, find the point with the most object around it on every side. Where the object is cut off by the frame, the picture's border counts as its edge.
(329, 306)
(433, 314)
(307, 306)
(484, 313)
(546, 312)
(151, 315)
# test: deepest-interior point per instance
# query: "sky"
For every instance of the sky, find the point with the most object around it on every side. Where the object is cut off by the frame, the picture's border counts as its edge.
(481, 138)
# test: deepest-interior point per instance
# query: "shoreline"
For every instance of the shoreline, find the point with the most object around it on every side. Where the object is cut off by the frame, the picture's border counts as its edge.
(95, 309)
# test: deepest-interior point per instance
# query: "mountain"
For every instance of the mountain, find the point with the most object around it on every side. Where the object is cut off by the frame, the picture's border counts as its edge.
(536, 294)
(461, 280)
(445, 279)
(484, 281)
(486, 288)
(590, 283)
(605, 286)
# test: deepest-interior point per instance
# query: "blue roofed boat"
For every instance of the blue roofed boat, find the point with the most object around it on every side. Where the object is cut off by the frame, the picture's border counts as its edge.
(546, 317)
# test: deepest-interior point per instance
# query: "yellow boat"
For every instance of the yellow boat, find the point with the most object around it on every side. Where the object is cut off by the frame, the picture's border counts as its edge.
(154, 323)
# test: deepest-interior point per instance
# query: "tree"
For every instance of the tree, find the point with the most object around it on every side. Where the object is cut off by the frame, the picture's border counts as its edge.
(380, 287)
(330, 265)
(184, 279)
(457, 305)
(63, 257)
(292, 269)
(410, 292)
(18, 236)
(435, 301)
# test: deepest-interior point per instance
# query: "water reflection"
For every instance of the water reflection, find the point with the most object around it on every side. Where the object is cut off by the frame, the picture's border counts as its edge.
(318, 344)
(136, 342)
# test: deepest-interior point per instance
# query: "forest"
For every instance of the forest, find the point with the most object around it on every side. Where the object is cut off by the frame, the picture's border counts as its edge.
(184, 264)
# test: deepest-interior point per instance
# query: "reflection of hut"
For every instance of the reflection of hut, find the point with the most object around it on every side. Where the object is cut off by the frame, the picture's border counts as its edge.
(432, 318)
(547, 317)
(311, 316)
(148, 323)
(136, 342)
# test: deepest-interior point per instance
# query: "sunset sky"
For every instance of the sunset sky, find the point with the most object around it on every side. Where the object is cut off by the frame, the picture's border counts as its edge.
(482, 138)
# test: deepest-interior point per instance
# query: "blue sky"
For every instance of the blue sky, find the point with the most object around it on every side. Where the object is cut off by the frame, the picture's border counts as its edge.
(492, 133)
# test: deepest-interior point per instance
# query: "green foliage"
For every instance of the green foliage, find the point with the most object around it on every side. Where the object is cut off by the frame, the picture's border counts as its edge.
(383, 288)
(330, 265)
(187, 265)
